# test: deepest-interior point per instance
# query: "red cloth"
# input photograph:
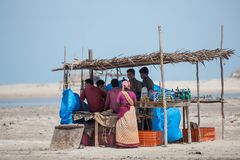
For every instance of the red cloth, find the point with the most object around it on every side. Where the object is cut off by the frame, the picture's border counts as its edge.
(95, 98)
(111, 101)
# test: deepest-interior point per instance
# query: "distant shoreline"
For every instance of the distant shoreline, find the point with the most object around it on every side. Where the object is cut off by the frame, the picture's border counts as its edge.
(54, 90)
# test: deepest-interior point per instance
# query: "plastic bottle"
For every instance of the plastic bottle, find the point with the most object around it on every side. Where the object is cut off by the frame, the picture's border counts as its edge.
(179, 95)
(176, 94)
(183, 95)
(144, 92)
(189, 95)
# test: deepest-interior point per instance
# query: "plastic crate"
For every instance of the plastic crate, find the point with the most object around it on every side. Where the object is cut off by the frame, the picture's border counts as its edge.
(207, 134)
(150, 138)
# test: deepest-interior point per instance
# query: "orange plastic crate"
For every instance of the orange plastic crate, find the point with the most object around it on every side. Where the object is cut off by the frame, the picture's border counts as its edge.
(207, 134)
(150, 138)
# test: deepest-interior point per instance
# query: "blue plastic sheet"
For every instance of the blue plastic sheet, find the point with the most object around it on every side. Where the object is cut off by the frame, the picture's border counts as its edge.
(70, 102)
(173, 120)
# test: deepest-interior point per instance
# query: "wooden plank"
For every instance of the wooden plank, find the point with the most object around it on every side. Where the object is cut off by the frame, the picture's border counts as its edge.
(152, 104)
(208, 101)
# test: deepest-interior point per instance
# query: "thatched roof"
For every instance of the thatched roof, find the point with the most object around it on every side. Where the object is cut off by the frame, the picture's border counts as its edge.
(149, 59)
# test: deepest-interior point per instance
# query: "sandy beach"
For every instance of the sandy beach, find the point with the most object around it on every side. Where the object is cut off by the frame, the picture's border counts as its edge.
(54, 90)
(26, 132)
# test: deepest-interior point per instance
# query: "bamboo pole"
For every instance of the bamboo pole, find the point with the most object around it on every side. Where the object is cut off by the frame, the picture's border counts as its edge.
(188, 125)
(82, 82)
(65, 72)
(184, 122)
(96, 134)
(222, 85)
(117, 72)
(106, 76)
(198, 108)
(90, 58)
(163, 87)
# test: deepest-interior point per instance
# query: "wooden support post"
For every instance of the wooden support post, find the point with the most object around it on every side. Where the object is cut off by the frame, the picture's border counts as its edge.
(90, 58)
(82, 81)
(117, 73)
(222, 85)
(188, 125)
(96, 133)
(65, 72)
(163, 88)
(184, 122)
(198, 108)
(106, 76)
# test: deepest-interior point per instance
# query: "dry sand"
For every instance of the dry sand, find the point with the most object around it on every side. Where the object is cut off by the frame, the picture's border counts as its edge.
(26, 132)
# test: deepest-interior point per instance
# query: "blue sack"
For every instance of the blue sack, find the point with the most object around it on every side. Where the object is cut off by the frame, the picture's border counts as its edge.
(70, 102)
(173, 120)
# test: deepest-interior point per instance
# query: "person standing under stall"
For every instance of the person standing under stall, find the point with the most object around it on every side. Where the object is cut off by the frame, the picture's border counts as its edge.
(135, 85)
(111, 100)
(126, 126)
(147, 82)
(94, 95)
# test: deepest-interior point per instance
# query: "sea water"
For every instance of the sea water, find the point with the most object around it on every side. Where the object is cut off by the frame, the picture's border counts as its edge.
(30, 102)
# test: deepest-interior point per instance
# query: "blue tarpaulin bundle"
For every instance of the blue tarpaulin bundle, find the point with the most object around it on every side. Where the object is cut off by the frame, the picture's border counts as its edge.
(173, 120)
(70, 102)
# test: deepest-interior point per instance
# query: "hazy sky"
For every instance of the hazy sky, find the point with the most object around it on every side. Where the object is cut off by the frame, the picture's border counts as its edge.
(33, 34)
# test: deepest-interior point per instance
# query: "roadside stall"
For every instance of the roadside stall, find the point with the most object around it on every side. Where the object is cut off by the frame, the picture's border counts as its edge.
(165, 101)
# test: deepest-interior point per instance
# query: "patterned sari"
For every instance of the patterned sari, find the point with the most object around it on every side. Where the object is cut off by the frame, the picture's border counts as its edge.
(126, 126)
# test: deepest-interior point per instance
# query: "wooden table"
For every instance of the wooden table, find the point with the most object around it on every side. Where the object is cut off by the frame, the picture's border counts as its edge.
(150, 104)
(180, 104)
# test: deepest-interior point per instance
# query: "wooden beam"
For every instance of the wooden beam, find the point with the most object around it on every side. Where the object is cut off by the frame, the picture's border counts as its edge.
(90, 58)
(163, 87)
(198, 101)
(222, 84)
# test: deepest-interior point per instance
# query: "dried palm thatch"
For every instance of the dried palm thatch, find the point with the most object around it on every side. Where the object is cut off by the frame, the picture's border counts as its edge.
(149, 59)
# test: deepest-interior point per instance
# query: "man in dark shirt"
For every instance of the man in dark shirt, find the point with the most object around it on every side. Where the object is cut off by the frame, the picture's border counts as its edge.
(135, 85)
(147, 82)
(94, 95)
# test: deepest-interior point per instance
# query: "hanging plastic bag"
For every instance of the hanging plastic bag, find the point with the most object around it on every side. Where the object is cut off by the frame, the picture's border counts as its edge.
(70, 102)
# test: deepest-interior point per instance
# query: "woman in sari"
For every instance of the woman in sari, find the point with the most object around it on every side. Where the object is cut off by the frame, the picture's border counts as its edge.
(126, 126)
